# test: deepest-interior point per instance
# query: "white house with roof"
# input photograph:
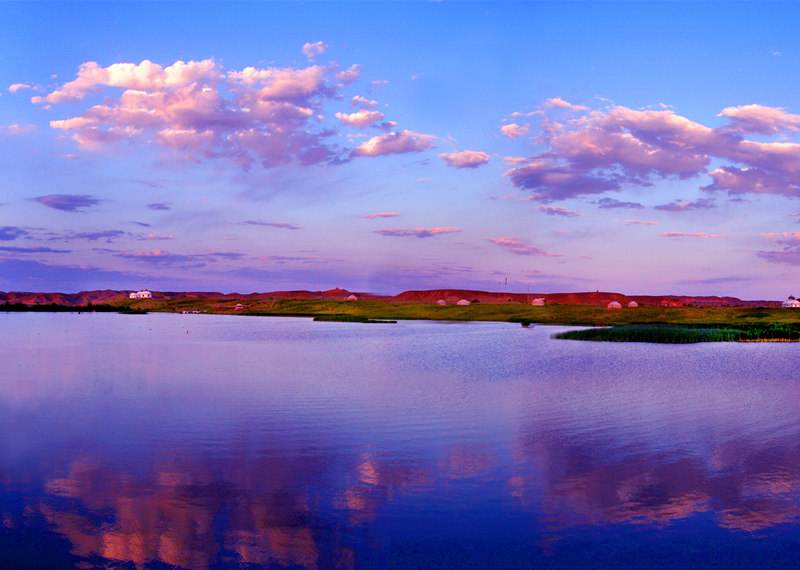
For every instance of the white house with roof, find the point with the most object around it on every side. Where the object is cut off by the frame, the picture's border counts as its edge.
(791, 303)
(142, 294)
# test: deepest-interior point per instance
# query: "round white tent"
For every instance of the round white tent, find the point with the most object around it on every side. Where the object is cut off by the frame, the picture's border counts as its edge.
(614, 305)
(633, 305)
(463, 302)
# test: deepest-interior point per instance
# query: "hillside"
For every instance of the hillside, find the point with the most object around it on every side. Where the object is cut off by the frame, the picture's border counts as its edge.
(598, 298)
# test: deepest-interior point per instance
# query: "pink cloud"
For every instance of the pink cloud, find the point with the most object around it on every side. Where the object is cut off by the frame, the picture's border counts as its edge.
(360, 119)
(15, 129)
(789, 254)
(752, 181)
(760, 119)
(395, 143)
(418, 232)
(513, 130)
(518, 246)
(16, 87)
(379, 215)
(559, 103)
(558, 211)
(465, 158)
(198, 110)
(314, 49)
(697, 235)
(595, 151)
(281, 83)
(144, 76)
(363, 102)
(350, 74)
(783, 236)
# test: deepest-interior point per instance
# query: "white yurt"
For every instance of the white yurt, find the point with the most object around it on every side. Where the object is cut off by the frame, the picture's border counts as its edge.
(791, 304)
(614, 305)
(538, 302)
(463, 302)
(441, 302)
(633, 305)
(352, 298)
(141, 294)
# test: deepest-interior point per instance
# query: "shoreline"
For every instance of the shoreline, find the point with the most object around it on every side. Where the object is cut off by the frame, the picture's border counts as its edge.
(674, 325)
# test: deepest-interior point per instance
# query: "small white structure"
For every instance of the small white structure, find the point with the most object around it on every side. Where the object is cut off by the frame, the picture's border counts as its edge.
(352, 298)
(238, 307)
(143, 294)
(463, 302)
(791, 303)
(441, 302)
(538, 302)
(633, 305)
(614, 305)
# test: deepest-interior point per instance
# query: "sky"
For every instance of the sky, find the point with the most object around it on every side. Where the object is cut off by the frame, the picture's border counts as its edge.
(643, 148)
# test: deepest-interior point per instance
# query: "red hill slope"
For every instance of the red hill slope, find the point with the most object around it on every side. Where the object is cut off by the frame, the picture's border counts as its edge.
(427, 296)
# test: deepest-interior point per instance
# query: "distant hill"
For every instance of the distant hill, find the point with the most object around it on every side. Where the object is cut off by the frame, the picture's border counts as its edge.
(424, 296)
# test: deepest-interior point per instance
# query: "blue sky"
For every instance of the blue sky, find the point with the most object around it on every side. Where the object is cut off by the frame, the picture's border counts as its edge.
(654, 149)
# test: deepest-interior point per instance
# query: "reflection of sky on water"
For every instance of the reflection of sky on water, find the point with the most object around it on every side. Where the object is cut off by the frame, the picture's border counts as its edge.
(206, 442)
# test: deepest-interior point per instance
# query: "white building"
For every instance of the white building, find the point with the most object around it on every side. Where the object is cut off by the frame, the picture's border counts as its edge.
(633, 305)
(238, 307)
(463, 302)
(538, 302)
(143, 294)
(614, 305)
(441, 302)
(791, 304)
(352, 298)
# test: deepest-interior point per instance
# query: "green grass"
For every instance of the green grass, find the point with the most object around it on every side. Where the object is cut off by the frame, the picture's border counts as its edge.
(578, 315)
(688, 334)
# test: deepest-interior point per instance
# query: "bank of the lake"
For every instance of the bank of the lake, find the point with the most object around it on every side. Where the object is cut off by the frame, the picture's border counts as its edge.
(643, 324)
(688, 334)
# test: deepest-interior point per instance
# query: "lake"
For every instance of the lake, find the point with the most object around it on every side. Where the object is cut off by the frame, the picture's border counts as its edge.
(200, 441)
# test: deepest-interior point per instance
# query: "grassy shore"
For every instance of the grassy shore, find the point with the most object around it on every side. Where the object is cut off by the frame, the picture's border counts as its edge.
(579, 315)
(643, 324)
(688, 334)
(56, 308)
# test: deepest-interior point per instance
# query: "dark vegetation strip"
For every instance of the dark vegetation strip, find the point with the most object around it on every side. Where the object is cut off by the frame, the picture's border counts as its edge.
(688, 334)
(56, 308)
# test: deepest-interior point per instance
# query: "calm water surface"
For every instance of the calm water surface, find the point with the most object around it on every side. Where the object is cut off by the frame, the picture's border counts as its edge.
(199, 441)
